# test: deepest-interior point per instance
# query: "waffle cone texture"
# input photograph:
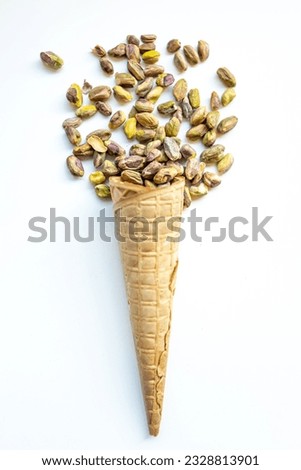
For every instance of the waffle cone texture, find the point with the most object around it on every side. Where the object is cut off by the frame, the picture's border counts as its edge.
(150, 268)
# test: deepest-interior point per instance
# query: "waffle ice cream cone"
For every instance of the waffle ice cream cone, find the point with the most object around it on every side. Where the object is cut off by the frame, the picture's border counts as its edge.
(150, 268)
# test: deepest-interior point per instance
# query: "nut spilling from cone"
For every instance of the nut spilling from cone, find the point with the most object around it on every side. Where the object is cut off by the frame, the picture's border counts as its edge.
(160, 155)
(158, 175)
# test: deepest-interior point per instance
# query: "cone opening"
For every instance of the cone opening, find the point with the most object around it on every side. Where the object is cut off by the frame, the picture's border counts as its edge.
(123, 190)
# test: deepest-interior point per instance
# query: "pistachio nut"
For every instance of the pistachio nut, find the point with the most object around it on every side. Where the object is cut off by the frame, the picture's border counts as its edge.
(165, 175)
(97, 144)
(215, 102)
(121, 94)
(117, 51)
(106, 66)
(203, 50)
(86, 111)
(227, 124)
(72, 122)
(228, 96)
(73, 135)
(153, 70)
(97, 177)
(187, 151)
(212, 154)
(211, 179)
(100, 93)
(155, 144)
(131, 176)
(186, 108)
(137, 149)
(114, 149)
(192, 168)
(196, 132)
(151, 57)
(180, 62)
(151, 169)
(148, 46)
(83, 151)
(165, 79)
(191, 55)
(194, 98)
(160, 133)
(132, 52)
(155, 94)
(144, 87)
(212, 119)
(198, 191)
(172, 127)
(74, 95)
(130, 128)
(225, 163)
(172, 148)
(103, 107)
(51, 60)
(153, 155)
(102, 190)
(148, 38)
(198, 116)
(109, 169)
(134, 162)
(125, 79)
(75, 166)
(143, 105)
(145, 135)
(226, 76)
(209, 138)
(131, 39)
(173, 45)
(99, 51)
(117, 120)
(136, 70)
(169, 107)
(147, 120)
(198, 177)
(180, 89)
(98, 159)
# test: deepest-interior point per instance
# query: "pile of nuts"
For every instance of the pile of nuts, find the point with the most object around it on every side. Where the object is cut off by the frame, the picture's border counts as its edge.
(158, 156)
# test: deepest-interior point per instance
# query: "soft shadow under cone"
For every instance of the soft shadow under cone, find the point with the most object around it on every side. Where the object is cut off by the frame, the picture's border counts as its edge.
(150, 268)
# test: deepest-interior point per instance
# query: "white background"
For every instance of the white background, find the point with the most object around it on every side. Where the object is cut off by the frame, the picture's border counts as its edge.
(67, 363)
